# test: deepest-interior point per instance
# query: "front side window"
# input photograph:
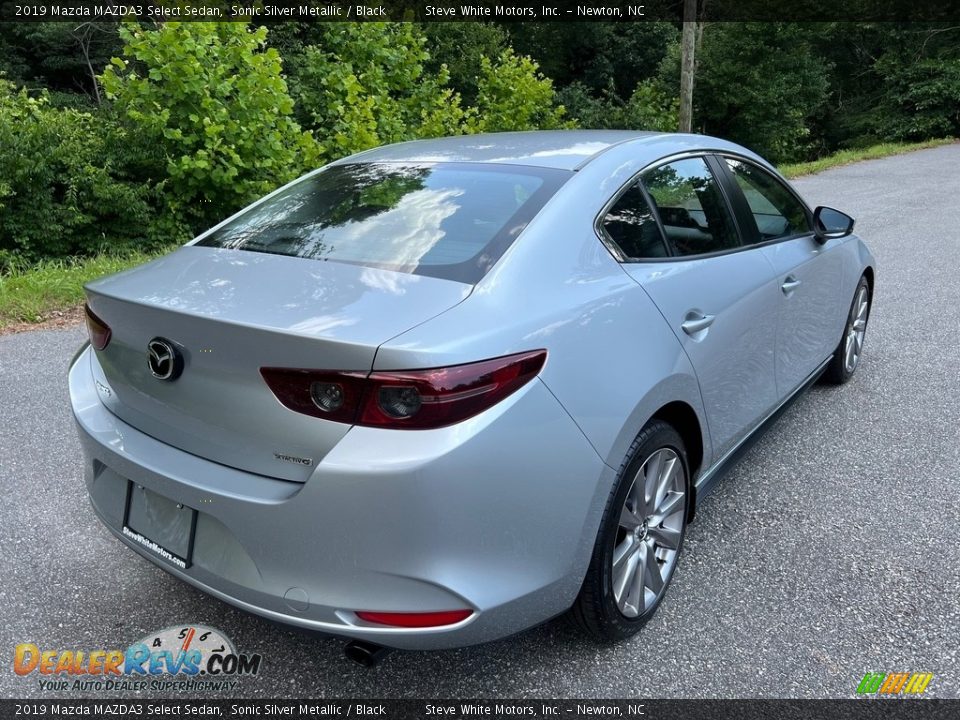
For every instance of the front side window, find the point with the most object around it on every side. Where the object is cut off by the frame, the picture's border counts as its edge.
(691, 207)
(775, 210)
(630, 226)
(447, 220)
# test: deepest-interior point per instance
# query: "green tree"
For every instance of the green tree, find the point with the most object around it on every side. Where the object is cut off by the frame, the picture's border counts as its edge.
(365, 85)
(649, 107)
(513, 95)
(63, 58)
(922, 98)
(603, 111)
(62, 189)
(212, 96)
(458, 46)
(758, 84)
(607, 58)
(12, 63)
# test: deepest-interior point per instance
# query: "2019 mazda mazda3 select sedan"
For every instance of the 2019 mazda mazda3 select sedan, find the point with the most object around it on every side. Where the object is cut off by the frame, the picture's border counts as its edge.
(438, 392)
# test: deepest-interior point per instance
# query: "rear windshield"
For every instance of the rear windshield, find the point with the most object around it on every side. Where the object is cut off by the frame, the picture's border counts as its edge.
(447, 220)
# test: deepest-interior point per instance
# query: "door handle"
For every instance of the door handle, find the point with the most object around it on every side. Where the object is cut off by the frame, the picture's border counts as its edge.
(790, 284)
(696, 322)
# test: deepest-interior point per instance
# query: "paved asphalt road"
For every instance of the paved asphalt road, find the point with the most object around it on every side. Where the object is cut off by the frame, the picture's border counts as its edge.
(831, 550)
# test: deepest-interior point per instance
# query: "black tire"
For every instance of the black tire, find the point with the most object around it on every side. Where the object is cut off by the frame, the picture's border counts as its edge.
(596, 611)
(838, 371)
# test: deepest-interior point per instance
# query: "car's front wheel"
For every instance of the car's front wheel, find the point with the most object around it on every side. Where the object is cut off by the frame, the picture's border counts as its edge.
(846, 358)
(640, 537)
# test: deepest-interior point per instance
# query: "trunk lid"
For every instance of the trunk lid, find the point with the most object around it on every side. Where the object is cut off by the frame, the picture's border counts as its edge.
(231, 312)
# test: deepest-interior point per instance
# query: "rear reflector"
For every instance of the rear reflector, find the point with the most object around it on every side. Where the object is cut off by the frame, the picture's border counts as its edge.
(98, 330)
(415, 620)
(404, 399)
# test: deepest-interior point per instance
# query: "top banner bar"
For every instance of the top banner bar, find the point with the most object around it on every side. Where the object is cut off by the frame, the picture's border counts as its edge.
(483, 10)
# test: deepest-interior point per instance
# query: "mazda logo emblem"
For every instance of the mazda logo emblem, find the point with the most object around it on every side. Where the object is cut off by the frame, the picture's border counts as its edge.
(163, 359)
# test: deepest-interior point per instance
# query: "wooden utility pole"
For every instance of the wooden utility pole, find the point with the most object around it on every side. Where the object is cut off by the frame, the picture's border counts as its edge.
(688, 44)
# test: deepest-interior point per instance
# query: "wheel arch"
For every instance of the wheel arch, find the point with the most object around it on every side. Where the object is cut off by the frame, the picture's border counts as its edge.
(676, 401)
(683, 418)
(866, 263)
(868, 274)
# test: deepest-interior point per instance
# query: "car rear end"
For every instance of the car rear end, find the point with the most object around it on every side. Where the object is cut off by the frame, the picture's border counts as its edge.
(235, 434)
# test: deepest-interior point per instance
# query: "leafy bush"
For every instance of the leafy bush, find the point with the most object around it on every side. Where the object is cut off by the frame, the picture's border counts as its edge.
(757, 84)
(458, 46)
(648, 108)
(888, 82)
(607, 58)
(922, 98)
(365, 85)
(62, 190)
(213, 98)
(651, 108)
(60, 57)
(513, 95)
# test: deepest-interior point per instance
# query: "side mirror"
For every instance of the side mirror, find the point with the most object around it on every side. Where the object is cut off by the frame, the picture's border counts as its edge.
(829, 223)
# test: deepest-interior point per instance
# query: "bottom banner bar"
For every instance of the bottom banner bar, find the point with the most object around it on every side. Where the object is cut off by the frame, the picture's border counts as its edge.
(864, 709)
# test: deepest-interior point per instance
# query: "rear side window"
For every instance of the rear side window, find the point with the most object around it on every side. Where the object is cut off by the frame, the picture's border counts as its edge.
(691, 207)
(630, 225)
(776, 211)
(447, 220)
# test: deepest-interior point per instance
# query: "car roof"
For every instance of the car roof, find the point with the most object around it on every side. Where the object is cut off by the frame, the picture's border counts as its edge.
(562, 149)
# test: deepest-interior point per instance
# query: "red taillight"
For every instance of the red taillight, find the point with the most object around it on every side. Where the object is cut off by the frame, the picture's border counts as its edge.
(296, 390)
(410, 399)
(415, 620)
(98, 330)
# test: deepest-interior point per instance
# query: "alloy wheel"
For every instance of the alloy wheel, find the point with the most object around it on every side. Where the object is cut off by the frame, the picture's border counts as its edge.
(856, 329)
(649, 533)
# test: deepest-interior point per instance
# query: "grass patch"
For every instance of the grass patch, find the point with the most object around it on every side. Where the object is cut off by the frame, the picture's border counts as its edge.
(845, 157)
(31, 294)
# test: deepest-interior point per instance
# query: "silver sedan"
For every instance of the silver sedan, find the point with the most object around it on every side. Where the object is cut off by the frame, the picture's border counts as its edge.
(438, 392)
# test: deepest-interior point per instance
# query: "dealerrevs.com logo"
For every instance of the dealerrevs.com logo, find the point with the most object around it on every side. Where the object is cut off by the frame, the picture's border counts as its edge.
(175, 659)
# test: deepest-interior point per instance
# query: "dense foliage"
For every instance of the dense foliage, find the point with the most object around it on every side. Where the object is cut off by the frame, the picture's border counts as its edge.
(173, 127)
(512, 95)
(139, 135)
(64, 182)
(911, 90)
(759, 84)
(212, 98)
(361, 85)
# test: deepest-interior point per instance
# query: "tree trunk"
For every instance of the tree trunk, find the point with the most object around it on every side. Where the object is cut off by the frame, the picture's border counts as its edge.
(688, 42)
(84, 38)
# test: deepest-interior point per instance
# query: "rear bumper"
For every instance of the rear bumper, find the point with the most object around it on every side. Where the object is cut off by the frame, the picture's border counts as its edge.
(497, 514)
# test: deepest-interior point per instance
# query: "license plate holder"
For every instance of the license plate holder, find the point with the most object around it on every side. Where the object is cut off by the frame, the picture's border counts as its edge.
(162, 527)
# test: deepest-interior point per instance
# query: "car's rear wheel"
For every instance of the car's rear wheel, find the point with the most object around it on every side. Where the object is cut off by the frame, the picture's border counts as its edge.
(640, 537)
(846, 358)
